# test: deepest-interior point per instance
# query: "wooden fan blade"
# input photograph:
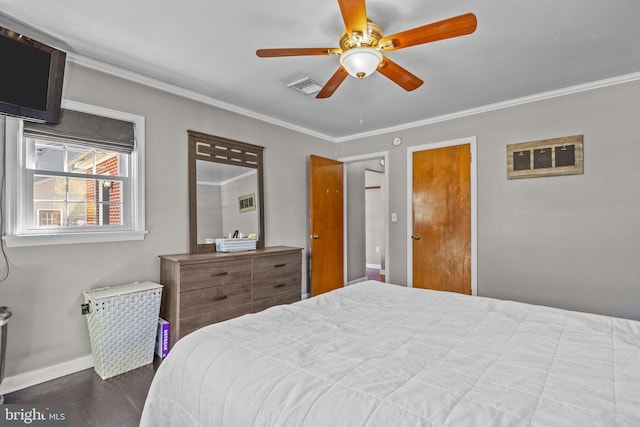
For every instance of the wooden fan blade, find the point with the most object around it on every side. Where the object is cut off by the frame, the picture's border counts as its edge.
(297, 51)
(333, 83)
(354, 13)
(448, 28)
(399, 75)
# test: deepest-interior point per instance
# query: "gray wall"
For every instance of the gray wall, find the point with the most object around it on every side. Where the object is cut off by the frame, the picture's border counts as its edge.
(570, 241)
(355, 207)
(45, 284)
(209, 207)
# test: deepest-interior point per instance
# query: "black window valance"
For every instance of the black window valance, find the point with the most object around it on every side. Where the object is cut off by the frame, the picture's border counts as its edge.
(86, 129)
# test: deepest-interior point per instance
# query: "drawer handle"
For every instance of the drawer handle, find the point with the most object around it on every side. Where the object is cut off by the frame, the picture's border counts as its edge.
(280, 285)
(279, 265)
(219, 298)
(224, 273)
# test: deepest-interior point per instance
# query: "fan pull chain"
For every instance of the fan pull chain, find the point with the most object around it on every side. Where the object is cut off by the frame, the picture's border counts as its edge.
(360, 101)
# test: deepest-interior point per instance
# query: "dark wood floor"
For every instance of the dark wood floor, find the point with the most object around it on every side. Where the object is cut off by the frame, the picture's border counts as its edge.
(94, 402)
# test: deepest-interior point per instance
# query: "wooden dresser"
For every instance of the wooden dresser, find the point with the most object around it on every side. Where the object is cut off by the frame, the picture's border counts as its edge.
(201, 289)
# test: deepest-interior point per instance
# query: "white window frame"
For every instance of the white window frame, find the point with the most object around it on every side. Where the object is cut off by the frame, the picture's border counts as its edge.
(17, 192)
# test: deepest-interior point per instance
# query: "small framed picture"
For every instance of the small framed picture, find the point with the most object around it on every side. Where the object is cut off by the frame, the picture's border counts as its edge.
(247, 202)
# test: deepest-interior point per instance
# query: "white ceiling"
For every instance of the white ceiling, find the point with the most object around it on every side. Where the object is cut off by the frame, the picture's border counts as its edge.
(207, 49)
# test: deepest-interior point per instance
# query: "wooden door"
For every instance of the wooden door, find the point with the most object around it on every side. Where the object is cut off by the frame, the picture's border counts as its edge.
(326, 209)
(442, 219)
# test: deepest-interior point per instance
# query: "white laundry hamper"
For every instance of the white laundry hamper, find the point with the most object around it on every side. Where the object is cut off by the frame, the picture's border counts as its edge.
(122, 324)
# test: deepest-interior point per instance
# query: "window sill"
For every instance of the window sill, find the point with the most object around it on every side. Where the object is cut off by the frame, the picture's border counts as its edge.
(66, 239)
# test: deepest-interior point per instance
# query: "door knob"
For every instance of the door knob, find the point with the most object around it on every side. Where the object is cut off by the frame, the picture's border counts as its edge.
(314, 236)
(416, 237)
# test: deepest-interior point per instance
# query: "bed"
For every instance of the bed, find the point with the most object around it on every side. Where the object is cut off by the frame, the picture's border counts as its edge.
(374, 354)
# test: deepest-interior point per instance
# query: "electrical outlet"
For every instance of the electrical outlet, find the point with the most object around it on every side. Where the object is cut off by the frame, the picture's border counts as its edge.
(394, 217)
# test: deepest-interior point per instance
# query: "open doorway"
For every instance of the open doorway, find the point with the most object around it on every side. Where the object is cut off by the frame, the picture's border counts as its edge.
(365, 217)
(374, 221)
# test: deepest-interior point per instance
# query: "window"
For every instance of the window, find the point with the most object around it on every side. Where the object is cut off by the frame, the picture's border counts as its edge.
(49, 217)
(81, 180)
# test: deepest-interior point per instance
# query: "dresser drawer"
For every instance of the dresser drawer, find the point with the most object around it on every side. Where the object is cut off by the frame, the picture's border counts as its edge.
(198, 276)
(275, 275)
(202, 307)
(216, 299)
(274, 268)
(284, 285)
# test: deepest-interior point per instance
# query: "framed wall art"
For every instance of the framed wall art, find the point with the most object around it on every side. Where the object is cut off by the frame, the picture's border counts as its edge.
(547, 157)
(247, 202)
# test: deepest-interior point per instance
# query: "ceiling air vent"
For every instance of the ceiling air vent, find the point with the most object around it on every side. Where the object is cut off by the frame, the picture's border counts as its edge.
(306, 86)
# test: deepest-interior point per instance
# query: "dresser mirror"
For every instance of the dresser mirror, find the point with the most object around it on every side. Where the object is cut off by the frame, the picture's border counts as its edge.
(225, 191)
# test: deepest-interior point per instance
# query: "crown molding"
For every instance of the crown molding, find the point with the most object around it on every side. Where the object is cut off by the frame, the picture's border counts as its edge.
(194, 96)
(499, 105)
(185, 93)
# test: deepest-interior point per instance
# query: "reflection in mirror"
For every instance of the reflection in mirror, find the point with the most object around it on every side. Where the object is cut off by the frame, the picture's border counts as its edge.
(227, 196)
(226, 191)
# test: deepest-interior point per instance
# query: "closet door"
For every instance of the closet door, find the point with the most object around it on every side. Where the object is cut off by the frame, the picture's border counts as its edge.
(441, 205)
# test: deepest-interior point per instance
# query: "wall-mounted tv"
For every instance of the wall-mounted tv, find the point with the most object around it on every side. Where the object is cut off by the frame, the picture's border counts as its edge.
(31, 77)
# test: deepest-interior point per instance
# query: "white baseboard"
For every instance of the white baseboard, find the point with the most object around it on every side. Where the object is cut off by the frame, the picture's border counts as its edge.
(28, 379)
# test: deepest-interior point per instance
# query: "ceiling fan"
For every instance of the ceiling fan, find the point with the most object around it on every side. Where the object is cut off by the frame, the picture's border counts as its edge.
(362, 46)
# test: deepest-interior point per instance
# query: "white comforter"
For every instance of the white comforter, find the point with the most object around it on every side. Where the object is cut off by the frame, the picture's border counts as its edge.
(375, 354)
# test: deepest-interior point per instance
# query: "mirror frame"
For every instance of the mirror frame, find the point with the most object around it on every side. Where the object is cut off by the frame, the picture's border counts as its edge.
(216, 149)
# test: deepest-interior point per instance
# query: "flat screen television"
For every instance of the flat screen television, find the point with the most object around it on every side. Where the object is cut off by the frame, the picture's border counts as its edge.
(31, 77)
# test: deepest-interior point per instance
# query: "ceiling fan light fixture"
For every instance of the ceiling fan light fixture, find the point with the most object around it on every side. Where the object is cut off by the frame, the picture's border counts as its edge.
(361, 61)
